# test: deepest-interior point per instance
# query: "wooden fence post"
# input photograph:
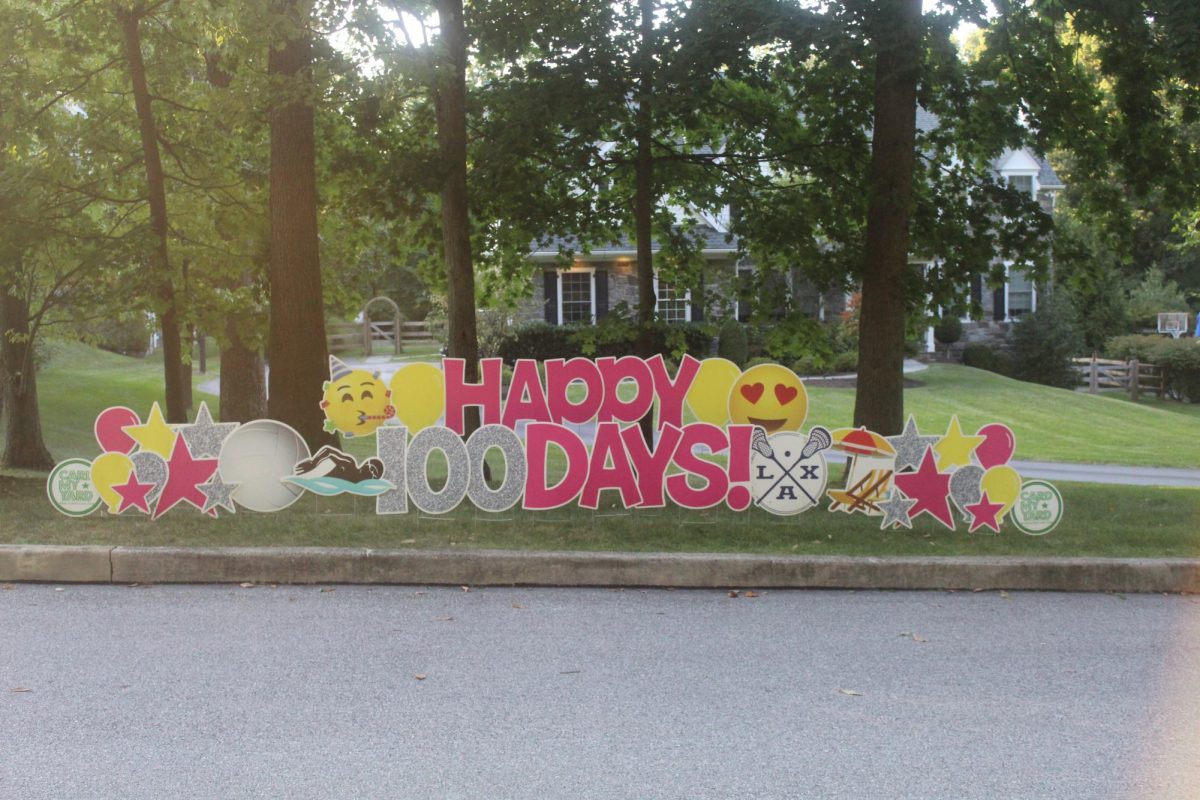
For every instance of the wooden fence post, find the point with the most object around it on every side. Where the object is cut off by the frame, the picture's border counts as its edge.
(366, 334)
(1133, 379)
(1094, 378)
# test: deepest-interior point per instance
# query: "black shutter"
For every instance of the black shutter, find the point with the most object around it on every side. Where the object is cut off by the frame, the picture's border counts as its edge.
(697, 301)
(999, 312)
(550, 292)
(977, 290)
(601, 294)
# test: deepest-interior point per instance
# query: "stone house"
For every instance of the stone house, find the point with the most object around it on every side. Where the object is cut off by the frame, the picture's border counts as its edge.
(597, 282)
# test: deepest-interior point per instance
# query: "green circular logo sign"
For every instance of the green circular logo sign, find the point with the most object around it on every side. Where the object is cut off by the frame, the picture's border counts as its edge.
(71, 490)
(1038, 509)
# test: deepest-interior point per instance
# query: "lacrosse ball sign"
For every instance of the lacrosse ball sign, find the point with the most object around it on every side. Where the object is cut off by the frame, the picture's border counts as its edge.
(556, 433)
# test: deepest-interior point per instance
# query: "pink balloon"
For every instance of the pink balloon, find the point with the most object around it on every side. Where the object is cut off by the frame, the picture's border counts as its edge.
(997, 446)
(108, 429)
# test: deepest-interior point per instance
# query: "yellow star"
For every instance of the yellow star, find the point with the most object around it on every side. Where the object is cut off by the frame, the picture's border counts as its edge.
(954, 449)
(154, 435)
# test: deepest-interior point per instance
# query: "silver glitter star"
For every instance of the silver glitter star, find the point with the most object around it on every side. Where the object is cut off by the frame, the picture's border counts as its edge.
(218, 493)
(150, 468)
(204, 437)
(895, 510)
(910, 446)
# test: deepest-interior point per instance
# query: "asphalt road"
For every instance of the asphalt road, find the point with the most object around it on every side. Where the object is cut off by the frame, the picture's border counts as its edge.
(298, 692)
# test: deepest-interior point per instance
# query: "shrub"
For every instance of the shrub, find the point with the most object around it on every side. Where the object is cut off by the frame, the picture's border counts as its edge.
(610, 337)
(731, 342)
(807, 366)
(1139, 346)
(1179, 359)
(540, 341)
(1045, 341)
(846, 361)
(796, 336)
(948, 330)
(980, 356)
(754, 362)
(127, 334)
(492, 326)
(1154, 294)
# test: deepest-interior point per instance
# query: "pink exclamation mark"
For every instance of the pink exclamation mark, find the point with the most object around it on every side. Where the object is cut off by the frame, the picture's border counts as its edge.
(739, 497)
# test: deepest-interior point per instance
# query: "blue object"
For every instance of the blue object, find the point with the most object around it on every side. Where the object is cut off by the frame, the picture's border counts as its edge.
(328, 487)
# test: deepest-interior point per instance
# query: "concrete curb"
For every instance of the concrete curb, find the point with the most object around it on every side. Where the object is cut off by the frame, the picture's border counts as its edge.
(92, 564)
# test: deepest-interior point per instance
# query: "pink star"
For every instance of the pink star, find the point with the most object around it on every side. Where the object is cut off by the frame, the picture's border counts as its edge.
(984, 513)
(184, 474)
(930, 488)
(133, 494)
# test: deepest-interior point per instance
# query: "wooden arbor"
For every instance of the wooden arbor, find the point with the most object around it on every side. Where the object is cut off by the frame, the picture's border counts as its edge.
(382, 331)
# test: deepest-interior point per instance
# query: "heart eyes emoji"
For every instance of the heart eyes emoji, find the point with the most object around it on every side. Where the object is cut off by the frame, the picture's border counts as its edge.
(784, 394)
(752, 391)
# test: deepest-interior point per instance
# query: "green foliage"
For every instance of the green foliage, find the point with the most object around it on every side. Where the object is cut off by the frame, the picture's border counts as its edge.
(754, 362)
(492, 328)
(1044, 343)
(979, 356)
(948, 330)
(1104, 309)
(127, 334)
(846, 361)
(840, 363)
(1179, 359)
(731, 342)
(1153, 295)
(613, 337)
(539, 341)
(797, 336)
(1143, 347)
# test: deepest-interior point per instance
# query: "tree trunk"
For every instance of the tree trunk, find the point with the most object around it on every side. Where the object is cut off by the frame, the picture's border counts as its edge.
(243, 380)
(296, 343)
(644, 199)
(450, 98)
(188, 343)
(243, 372)
(879, 399)
(24, 447)
(156, 188)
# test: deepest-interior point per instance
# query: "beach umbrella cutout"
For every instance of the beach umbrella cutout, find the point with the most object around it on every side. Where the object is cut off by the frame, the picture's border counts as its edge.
(872, 467)
(862, 442)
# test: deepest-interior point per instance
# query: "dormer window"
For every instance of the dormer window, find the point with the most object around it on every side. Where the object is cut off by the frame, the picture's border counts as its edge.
(1022, 183)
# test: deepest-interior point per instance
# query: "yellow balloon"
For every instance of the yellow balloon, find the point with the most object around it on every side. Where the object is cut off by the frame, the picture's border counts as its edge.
(708, 397)
(1002, 485)
(109, 470)
(419, 395)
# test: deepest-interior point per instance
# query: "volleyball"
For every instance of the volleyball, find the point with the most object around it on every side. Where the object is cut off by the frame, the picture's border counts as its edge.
(258, 456)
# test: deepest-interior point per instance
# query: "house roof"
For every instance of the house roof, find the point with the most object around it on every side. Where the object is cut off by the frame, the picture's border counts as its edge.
(712, 241)
(1047, 178)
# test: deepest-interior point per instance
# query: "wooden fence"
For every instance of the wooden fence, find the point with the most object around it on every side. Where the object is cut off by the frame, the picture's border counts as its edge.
(1132, 376)
(364, 336)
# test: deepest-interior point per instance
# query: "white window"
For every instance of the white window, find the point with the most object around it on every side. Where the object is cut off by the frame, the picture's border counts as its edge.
(742, 292)
(673, 305)
(1021, 295)
(577, 296)
(1022, 183)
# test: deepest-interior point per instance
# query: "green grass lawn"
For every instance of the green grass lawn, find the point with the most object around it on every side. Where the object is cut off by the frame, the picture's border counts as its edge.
(1051, 424)
(1100, 521)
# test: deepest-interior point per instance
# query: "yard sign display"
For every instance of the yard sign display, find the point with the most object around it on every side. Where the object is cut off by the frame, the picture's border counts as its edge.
(567, 433)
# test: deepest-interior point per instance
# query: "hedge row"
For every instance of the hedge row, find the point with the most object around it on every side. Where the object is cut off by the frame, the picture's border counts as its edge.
(541, 341)
(1179, 359)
